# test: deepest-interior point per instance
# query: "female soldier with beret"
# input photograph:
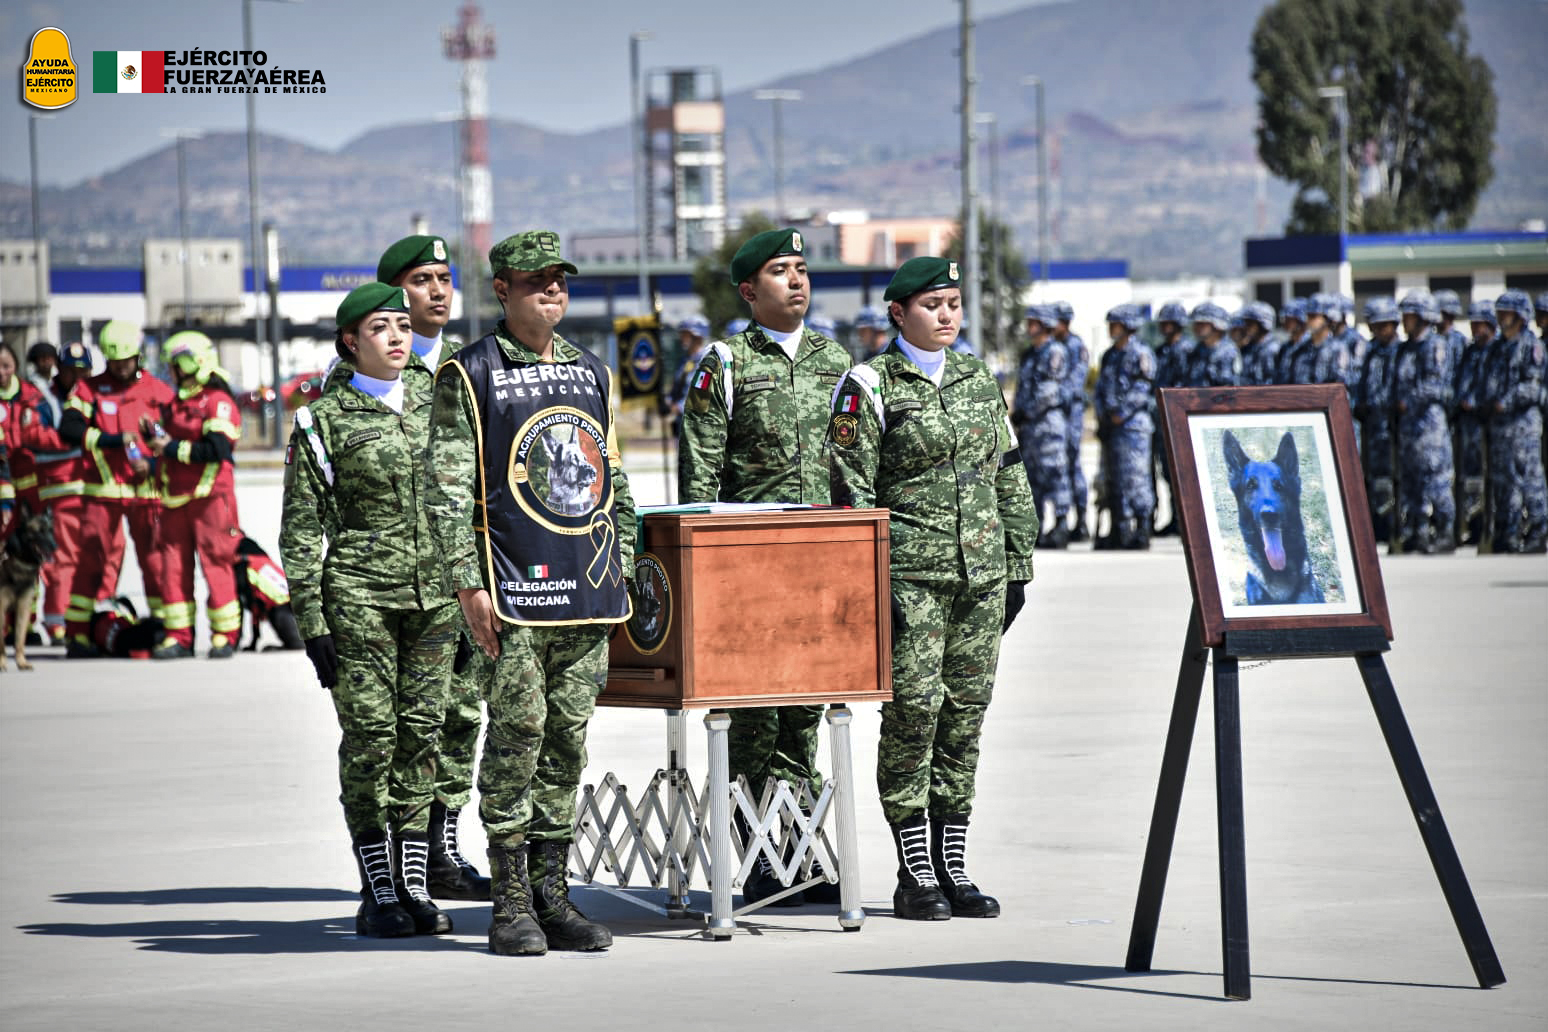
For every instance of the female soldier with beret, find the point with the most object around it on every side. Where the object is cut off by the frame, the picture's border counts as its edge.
(379, 626)
(923, 430)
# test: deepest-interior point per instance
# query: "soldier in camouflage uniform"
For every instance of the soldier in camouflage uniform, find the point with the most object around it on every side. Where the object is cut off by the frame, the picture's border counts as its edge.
(1039, 417)
(1373, 408)
(1124, 424)
(923, 431)
(1422, 386)
(1080, 367)
(419, 264)
(1260, 345)
(1471, 425)
(1214, 361)
(753, 431)
(539, 559)
(1514, 390)
(378, 624)
(1171, 371)
(1293, 319)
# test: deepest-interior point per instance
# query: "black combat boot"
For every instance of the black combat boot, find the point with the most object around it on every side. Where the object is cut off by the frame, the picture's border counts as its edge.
(514, 932)
(1058, 537)
(379, 916)
(409, 882)
(565, 927)
(1080, 533)
(762, 882)
(918, 896)
(1137, 537)
(450, 875)
(948, 852)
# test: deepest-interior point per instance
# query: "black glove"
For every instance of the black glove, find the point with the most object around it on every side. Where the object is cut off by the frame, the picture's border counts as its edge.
(897, 618)
(464, 653)
(1015, 598)
(325, 660)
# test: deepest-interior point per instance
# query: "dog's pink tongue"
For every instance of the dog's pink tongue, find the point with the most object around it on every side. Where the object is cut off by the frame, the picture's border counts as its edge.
(1274, 545)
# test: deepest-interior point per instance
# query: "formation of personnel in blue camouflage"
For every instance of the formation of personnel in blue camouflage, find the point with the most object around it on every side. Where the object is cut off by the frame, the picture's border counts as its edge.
(1080, 368)
(1040, 414)
(1172, 353)
(1124, 426)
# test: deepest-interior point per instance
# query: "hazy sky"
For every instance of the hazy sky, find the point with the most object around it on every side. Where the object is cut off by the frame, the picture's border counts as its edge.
(559, 66)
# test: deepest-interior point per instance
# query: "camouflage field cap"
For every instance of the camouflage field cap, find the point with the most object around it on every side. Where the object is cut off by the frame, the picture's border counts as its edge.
(922, 273)
(368, 298)
(530, 251)
(771, 243)
(410, 252)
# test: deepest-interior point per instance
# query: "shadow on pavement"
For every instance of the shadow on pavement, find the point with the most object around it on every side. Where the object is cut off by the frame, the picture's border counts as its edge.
(1082, 976)
(211, 894)
(254, 938)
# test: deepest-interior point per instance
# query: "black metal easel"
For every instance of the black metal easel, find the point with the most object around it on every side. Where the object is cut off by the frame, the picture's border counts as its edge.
(1365, 645)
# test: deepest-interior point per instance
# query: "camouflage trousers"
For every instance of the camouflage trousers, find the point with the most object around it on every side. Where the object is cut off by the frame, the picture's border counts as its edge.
(541, 695)
(1044, 453)
(943, 661)
(1131, 494)
(391, 700)
(1517, 489)
(1427, 506)
(777, 742)
(459, 734)
(1076, 429)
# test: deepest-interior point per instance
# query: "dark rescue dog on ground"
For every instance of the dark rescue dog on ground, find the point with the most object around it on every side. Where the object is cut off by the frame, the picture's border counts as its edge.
(1268, 509)
(30, 545)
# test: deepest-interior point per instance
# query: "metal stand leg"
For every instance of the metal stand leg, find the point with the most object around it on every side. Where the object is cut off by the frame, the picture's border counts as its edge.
(851, 914)
(677, 829)
(1231, 828)
(721, 923)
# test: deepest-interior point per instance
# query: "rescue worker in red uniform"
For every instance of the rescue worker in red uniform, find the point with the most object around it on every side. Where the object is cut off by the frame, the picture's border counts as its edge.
(201, 427)
(59, 488)
(102, 418)
(18, 398)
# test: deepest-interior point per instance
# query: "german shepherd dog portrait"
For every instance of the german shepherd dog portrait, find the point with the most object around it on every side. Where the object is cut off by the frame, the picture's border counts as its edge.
(570, 473)
(30, 545)
(1268, 509)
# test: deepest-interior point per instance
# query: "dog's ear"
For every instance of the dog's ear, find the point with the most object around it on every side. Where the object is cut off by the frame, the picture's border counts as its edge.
(551, 446)
(1236, 459)
(1287, 460)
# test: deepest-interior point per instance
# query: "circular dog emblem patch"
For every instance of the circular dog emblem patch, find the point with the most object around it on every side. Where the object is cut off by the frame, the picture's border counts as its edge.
(558, 469)
(846, 429)
(647, 628)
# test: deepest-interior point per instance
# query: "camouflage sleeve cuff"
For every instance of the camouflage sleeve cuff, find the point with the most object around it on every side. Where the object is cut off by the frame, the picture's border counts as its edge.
(310, 621)
(463, 575)
(1019, 569)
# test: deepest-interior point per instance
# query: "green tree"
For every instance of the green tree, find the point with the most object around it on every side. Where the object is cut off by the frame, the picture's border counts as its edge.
(1421, 112)
(712, 276)
(1000, 301)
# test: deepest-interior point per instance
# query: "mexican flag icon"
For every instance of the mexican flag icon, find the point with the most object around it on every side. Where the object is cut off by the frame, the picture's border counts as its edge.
(128, 71)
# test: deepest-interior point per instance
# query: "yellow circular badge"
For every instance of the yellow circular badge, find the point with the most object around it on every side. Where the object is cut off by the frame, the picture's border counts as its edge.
(846, 429)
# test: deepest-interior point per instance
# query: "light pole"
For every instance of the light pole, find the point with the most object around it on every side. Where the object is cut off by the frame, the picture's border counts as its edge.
(255, 227)
(1340, 101)
(968, 109)
(39, 269)
(183, 135)
(637, 147)
(987, 118)
(1042, 180)
(778, 98)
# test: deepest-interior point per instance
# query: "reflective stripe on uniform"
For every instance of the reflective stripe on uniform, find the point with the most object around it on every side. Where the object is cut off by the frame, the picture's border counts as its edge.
(308, 430)
(178, 616)
(227, 618)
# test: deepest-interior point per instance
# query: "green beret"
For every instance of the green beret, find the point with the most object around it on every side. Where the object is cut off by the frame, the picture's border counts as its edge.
(925, 273)
(368, 298)
(409, 252)
(530, 251)
(770, 243)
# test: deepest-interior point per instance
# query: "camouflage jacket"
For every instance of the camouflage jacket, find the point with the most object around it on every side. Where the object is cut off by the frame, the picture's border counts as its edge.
(451, 461)
(354, 475)
(943, 460)
(754, 421)
(1125, 385)
(1219, 365)
(1042, 386)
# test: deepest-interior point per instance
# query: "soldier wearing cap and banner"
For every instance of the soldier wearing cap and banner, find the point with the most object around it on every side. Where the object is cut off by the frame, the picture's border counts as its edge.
(200, 428)
(102, 417)
(923, 431)
(377, 621)
(752, 431)
(420, 264)
(534, 520)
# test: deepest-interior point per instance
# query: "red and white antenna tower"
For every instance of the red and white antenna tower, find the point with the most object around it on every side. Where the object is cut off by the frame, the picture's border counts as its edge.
(472, 42)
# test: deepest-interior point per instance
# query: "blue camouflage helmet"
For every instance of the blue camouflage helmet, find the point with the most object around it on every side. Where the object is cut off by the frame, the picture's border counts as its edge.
(736, 326)
(1064, 310)
(1449, 303)
(1172, 311)
(1211, 313)
(1542, 302)
(1346, 305)
(1380, 310)
(871, 318)
(823, 325)
(1483, 311)
(1322, 304)
(1260, 312)
(1295, 309)
(1128, 316)
(1238, 318)
(1421, 303)
(696, 325)
(1514, 301)
(1044, 314)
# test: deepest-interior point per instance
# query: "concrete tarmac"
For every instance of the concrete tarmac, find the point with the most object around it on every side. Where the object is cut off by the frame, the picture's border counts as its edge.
(175, 856)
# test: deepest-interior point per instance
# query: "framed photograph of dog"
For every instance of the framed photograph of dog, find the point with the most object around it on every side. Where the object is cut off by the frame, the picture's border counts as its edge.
(1276, 528)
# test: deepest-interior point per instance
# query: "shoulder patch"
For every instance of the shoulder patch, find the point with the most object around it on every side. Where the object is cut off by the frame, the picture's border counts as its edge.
(717, 362)
(1056, 361)
(845, 429)
(860, 382)
(1147, 363)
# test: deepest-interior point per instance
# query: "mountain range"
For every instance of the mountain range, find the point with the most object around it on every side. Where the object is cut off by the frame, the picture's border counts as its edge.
(1151, 113)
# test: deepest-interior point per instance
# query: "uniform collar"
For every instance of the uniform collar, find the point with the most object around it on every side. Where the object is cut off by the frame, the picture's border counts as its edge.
(810, 342)
(516, 351)
(958, 366)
